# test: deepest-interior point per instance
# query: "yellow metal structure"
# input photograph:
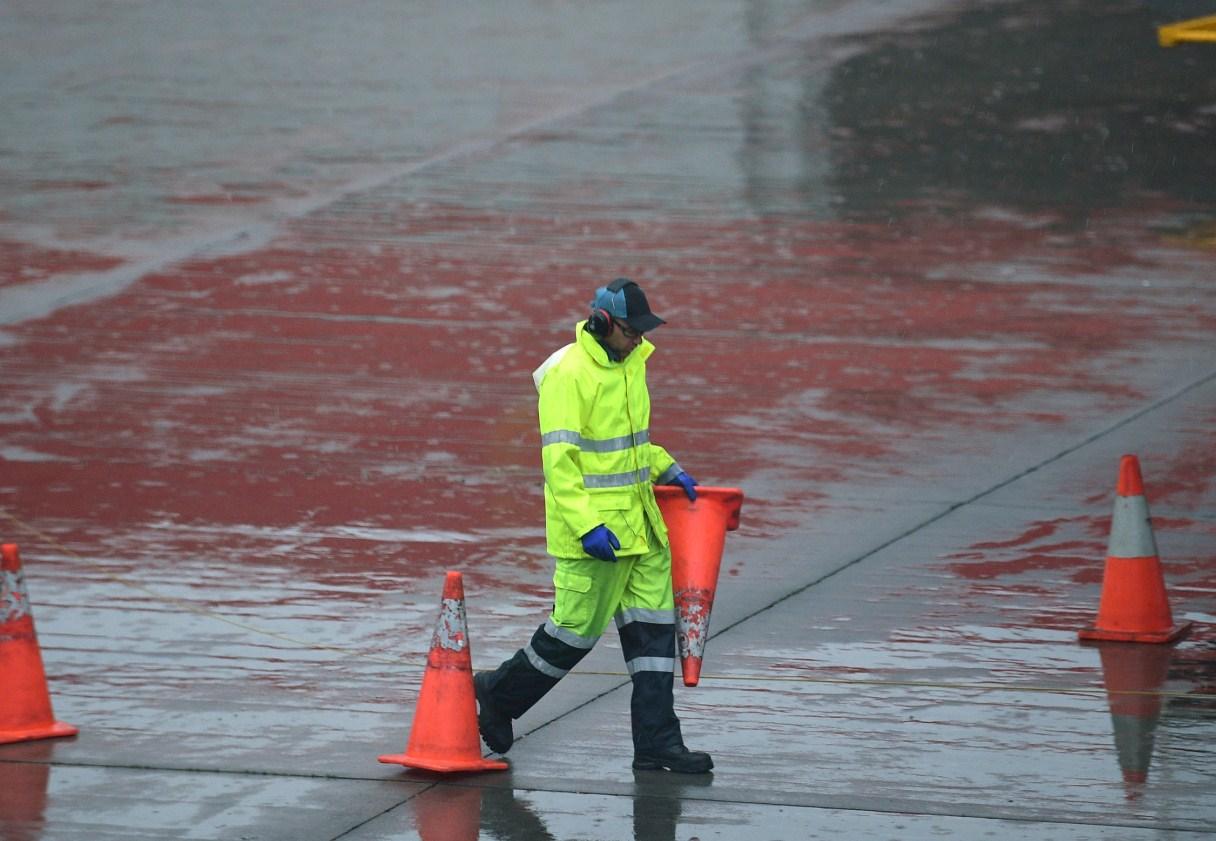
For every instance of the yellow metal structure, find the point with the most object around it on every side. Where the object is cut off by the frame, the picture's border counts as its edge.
(1202, 30)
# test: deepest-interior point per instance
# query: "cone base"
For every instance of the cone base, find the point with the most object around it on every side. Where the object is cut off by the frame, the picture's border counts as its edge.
(443, 765)
(1159, 637)
(54, 730)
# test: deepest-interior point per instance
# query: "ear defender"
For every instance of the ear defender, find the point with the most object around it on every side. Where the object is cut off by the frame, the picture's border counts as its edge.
(609, 301)
(600, 323)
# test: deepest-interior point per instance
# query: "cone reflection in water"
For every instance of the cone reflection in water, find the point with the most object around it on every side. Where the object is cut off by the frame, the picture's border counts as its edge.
(25, 702)
(697, 531)
(1134, 606)
(23, 788)
(448, 813)
(444, 733)
(1134, 676)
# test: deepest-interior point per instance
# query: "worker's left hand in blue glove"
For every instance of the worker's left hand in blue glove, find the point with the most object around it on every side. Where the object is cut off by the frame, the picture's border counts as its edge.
(687, 483)
(599, 543)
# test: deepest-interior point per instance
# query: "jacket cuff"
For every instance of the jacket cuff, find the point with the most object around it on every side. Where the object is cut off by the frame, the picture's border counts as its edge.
(669, 475)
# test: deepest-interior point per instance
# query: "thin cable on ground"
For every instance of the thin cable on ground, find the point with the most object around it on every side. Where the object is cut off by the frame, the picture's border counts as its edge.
(622, 675)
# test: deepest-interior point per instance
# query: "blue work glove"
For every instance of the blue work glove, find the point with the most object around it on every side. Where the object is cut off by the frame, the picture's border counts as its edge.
(599, 543)
(687, 483)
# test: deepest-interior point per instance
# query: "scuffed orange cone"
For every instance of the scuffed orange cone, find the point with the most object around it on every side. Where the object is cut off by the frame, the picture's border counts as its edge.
(697, 531)
(25, 703)
(444, 734)
(1134, 606)
(1134, 676)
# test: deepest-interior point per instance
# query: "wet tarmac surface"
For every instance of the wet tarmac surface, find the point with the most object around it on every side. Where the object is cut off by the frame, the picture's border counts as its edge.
(272, 283)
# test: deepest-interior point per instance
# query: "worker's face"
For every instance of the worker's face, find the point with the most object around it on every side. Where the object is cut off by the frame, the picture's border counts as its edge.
(623, 339)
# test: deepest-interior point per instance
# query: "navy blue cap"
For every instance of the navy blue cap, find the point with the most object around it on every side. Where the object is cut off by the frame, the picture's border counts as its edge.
(625, 301)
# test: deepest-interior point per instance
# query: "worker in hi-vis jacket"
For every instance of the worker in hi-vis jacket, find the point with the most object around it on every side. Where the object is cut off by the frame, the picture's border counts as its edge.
(604, 529)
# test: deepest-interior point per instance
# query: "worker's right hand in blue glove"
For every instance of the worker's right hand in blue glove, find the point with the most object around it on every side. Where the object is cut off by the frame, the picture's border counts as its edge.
(687, 483)
(599, 543)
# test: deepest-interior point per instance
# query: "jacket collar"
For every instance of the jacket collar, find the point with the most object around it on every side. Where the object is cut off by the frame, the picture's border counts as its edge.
(596, 351)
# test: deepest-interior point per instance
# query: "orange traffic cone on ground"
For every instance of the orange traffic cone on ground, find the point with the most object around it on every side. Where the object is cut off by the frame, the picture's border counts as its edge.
(697, 531)
(25, 704)
(444, 734)
(1134, 607)
(1134, 676)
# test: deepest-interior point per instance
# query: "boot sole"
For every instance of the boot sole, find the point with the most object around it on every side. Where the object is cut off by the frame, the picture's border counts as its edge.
(675, 768)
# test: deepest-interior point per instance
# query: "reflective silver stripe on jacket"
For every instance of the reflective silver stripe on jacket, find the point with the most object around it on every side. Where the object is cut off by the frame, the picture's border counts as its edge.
(651, 664)
(616, 480)
(591, 445)
(647, 615)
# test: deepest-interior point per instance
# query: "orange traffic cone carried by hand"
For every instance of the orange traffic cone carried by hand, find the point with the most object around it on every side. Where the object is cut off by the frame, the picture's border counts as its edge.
(25, 704)
(1134, 606)
(444, 734)
(697, 530)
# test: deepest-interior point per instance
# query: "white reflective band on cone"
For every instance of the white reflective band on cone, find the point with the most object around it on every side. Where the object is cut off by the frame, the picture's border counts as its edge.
(1131, 531)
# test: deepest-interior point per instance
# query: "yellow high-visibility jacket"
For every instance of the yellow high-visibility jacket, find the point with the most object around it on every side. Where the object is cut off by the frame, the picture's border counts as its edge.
(600, 465)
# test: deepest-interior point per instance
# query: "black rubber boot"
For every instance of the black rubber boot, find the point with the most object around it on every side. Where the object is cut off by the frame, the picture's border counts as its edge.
(493, 724)
(679, 759)
(509, 691)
